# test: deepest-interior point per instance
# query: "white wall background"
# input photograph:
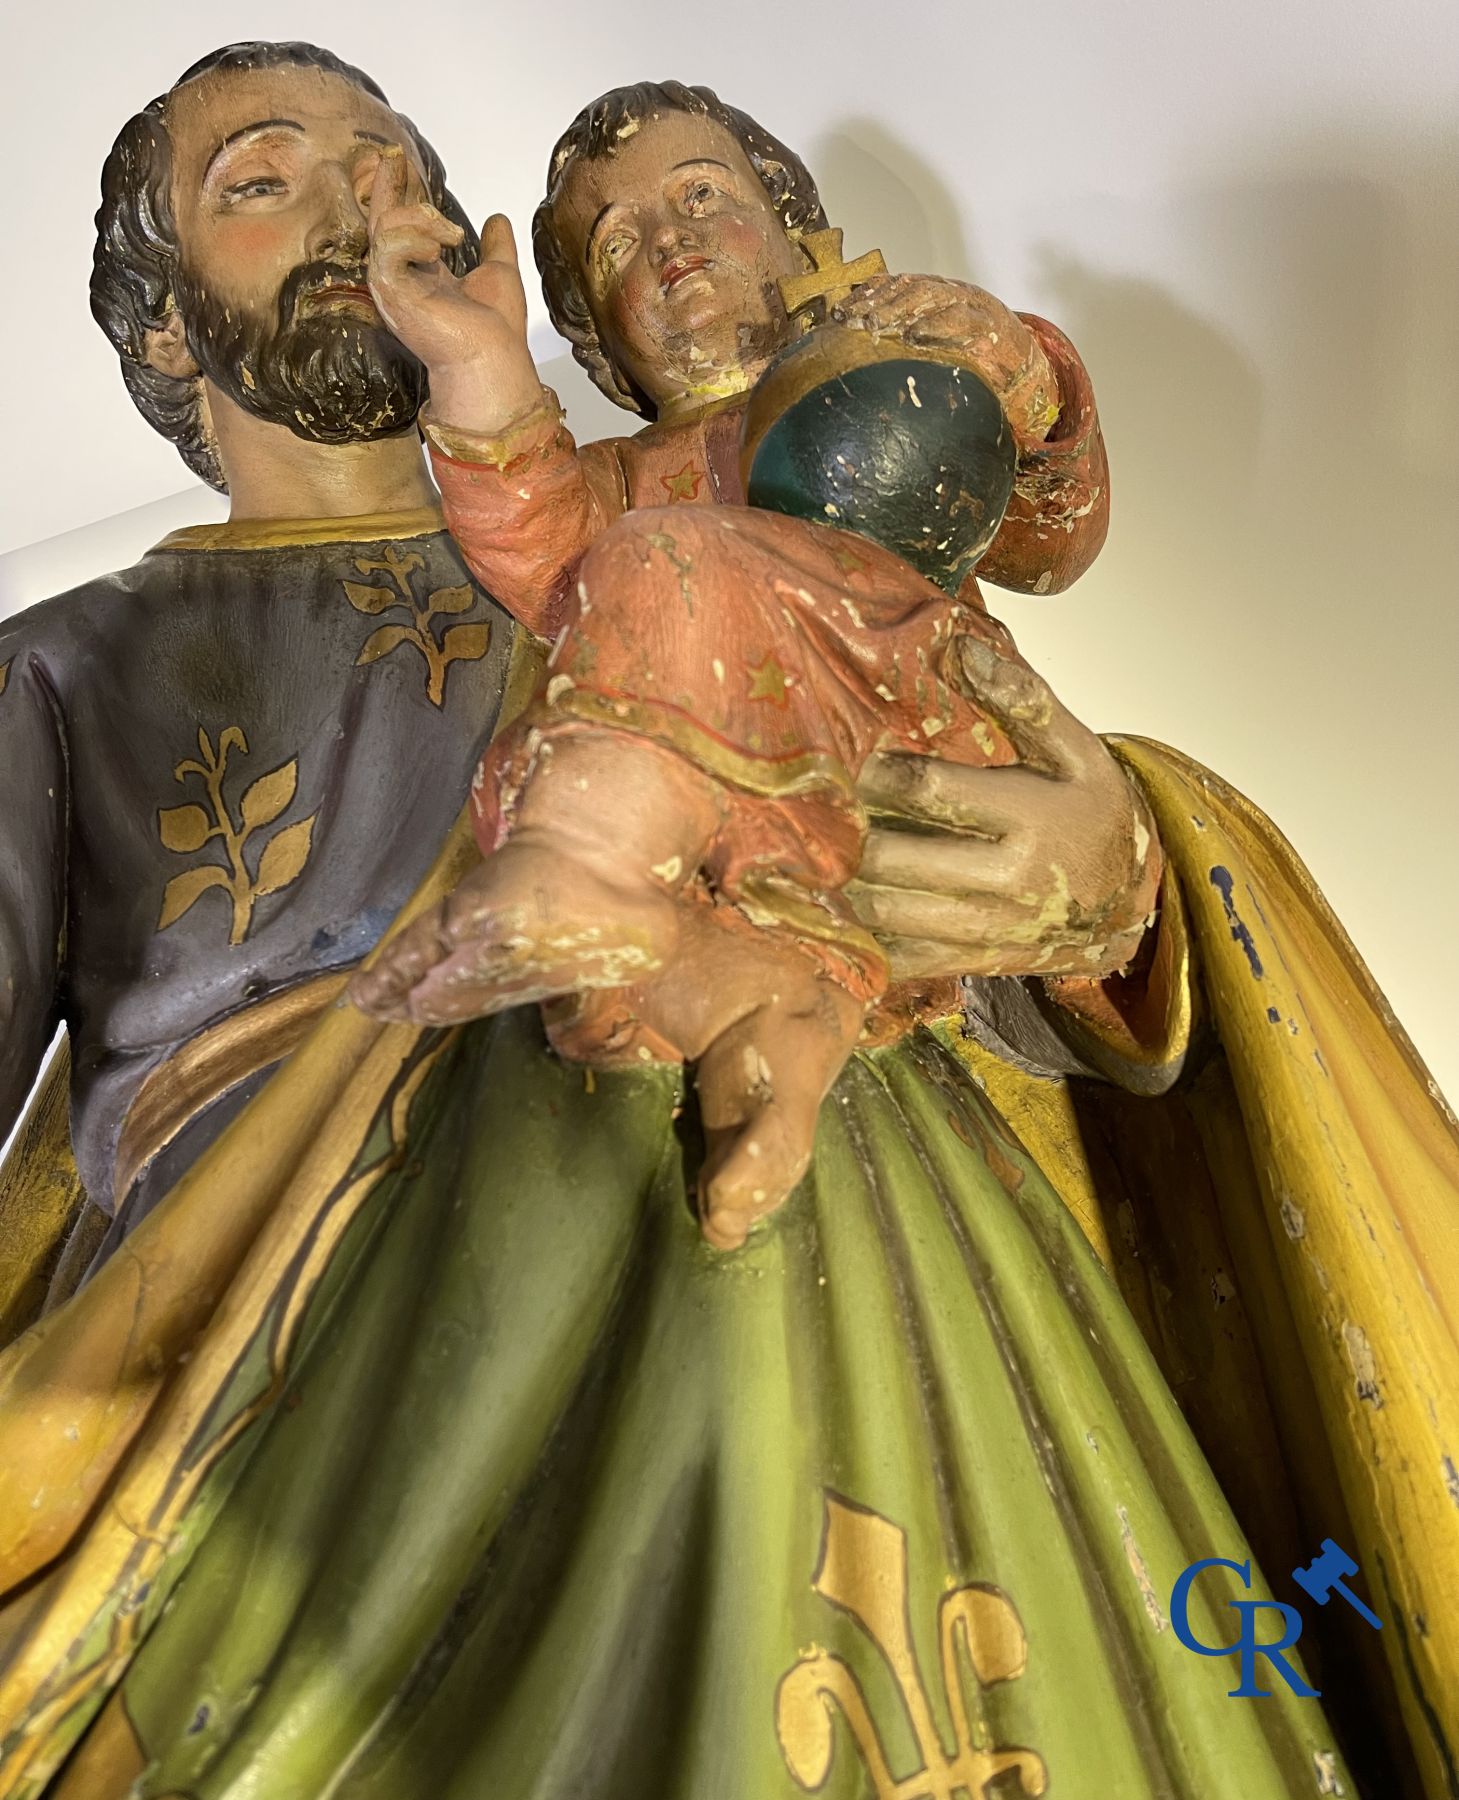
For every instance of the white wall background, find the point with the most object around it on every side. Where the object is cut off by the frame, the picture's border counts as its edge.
(1246, 215)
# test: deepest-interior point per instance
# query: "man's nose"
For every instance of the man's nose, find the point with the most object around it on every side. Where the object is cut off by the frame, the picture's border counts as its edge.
(342, 232)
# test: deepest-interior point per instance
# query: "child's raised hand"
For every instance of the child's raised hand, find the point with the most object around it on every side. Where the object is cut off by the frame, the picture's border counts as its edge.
(470, 331)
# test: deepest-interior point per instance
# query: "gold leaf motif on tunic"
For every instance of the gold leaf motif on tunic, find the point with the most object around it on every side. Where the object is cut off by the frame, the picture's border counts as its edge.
(190, 827)
(461, 643)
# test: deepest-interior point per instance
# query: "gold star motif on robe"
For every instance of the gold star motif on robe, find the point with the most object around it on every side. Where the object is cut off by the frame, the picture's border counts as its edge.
(769, 682)
(684, 485)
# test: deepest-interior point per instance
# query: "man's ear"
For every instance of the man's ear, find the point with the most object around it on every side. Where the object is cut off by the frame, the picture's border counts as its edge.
(165, 349)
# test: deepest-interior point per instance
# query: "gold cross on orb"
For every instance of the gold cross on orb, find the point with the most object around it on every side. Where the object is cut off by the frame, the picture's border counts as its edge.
(831, 278)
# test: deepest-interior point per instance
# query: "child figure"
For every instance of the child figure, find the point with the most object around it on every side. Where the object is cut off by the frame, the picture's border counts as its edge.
(681, 790)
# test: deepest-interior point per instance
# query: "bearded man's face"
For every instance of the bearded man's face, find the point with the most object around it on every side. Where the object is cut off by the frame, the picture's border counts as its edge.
(272, 172)
(315, 364)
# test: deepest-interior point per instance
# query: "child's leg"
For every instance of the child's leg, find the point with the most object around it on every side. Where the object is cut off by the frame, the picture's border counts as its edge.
(761, 1082)
(607, 829)
(769, 1028)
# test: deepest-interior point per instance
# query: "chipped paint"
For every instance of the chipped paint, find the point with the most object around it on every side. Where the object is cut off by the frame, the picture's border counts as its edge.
(1363, 1363)
(668, 546)
(1141, 1573)
(1294, 1220)
(1328, 1779)
(1451, 1477)
(1224, 883)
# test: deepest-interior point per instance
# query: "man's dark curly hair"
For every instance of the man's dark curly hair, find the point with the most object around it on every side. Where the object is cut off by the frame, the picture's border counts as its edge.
(597, 132)
(137, 248)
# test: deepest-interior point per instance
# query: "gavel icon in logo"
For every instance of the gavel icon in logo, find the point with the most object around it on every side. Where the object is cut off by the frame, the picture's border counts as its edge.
(1326, 1575)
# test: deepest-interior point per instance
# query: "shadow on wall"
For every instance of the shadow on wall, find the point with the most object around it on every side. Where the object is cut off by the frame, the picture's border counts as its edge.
(889, 198)
(1308, 458)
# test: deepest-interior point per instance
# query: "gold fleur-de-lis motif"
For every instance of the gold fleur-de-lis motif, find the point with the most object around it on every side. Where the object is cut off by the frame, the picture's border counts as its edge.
(863, 1572)
(5, 673)
(187, 828)
(465, 642)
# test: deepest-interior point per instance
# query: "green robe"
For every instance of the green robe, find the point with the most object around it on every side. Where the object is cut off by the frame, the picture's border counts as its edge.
(541, 1502)
(418, 1446)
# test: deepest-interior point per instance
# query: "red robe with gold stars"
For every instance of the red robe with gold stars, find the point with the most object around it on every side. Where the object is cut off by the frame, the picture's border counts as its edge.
(774, 653)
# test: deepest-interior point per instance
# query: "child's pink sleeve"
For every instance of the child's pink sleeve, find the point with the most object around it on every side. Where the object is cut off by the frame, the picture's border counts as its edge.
(1056, 522)
(523, 507)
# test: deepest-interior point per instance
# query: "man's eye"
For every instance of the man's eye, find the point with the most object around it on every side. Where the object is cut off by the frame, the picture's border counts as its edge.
(700, 194)
(256, 188)
(617, 247)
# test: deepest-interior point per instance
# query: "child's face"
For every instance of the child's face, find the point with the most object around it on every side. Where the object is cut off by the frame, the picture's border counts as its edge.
(681, 250)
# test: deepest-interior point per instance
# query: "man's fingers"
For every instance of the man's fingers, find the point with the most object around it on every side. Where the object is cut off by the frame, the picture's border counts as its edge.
(935, 863)
(1046, 734)
(1013, 696)
(919, 959)
(969, 802)
(972, 925)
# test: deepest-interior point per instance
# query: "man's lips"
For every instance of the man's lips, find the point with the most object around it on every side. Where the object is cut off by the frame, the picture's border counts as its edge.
(338, 290)
(675, 271)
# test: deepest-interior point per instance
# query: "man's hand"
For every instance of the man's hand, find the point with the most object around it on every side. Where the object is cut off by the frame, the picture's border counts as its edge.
(927, 312)
(469, 331)
(1050, 867)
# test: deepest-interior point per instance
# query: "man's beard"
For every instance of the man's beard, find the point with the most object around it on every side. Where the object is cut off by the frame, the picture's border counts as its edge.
(332, 376)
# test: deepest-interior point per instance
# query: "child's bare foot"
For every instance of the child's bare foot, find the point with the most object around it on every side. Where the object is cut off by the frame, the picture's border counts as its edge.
(530, 923)
(770, 1031)
(761, 1085)
(580, 895)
